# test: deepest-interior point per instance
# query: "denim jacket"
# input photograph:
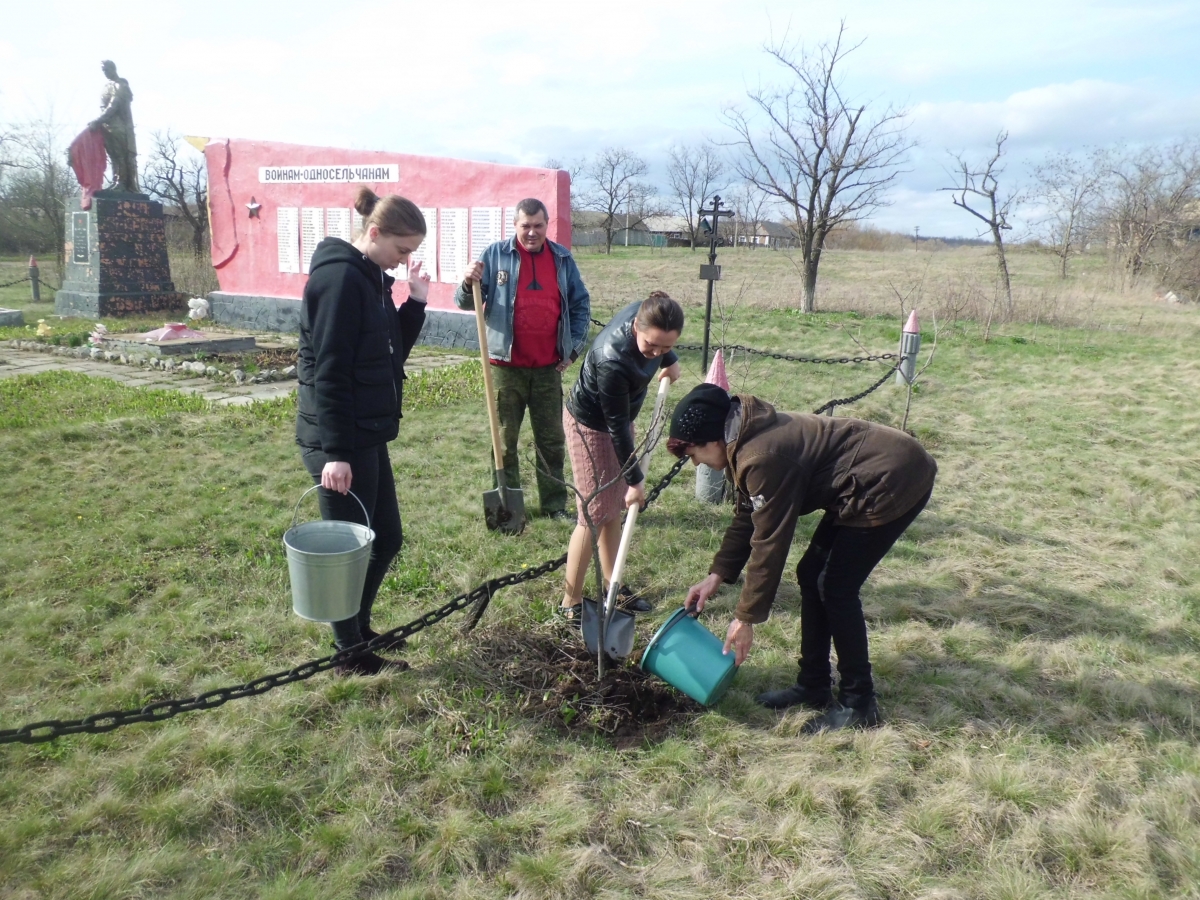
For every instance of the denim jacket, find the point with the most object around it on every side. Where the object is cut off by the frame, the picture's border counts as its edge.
(499, 296)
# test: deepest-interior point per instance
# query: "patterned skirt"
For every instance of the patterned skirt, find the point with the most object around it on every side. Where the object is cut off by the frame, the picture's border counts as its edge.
(593, 463)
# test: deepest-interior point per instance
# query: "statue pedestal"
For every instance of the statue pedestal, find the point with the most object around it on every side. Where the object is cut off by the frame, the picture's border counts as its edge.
(116, 255)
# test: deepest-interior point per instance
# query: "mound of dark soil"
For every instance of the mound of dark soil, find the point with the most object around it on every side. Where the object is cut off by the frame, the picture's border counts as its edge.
(556, 677)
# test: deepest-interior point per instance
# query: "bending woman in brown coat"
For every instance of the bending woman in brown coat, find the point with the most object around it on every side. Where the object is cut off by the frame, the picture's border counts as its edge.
(871, 480)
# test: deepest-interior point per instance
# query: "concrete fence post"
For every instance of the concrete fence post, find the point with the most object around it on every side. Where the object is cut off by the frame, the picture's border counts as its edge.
(35, 280)
(910, 348)
(710, 483)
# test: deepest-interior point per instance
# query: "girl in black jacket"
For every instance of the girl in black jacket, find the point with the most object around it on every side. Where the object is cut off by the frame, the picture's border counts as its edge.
(353, 344)
(630, 352)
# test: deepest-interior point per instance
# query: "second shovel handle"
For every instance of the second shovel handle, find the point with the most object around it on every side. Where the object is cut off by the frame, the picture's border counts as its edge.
(489, 394)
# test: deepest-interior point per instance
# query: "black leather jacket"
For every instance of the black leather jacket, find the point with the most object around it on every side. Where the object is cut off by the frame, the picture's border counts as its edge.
(612, 385)
(353, 344)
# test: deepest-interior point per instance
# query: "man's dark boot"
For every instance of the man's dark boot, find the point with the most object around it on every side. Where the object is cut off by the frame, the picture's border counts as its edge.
(796, 695)
(863, 714)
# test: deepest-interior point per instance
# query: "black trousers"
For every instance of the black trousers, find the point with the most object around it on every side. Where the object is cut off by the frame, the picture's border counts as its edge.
(833, 569)
(371, 480)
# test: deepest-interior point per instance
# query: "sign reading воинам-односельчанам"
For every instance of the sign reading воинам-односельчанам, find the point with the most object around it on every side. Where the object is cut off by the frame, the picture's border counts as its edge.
(328, 174)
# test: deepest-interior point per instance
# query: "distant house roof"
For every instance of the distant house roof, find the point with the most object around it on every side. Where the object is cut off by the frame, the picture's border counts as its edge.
(588, 218)
(666, 224)
(776, 230)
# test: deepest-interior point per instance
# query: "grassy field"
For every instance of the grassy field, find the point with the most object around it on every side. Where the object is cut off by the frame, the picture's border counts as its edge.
(1034, 635)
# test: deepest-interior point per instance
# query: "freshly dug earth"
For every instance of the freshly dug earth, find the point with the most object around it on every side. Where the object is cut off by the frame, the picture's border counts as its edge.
(556, 675)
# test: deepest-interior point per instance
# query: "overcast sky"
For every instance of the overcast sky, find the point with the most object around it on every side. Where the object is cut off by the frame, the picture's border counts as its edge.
(520, 83)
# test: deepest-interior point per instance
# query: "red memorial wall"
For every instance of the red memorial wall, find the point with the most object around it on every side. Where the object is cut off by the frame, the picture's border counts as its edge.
(272, 203)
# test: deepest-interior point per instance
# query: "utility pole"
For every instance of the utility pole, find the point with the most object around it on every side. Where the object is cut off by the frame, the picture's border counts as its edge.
(628, 203)
(916, 236)
(711, 272)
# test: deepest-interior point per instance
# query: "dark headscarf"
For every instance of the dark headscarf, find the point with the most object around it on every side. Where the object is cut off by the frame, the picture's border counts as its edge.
(700, 416)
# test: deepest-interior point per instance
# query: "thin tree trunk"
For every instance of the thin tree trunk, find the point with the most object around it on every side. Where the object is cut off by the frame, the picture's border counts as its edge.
(1002, 262)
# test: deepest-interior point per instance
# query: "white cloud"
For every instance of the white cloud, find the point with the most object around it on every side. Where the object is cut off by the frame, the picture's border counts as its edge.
(1081, 112)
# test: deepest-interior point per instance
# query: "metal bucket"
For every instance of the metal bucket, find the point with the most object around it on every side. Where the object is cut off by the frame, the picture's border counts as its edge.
(689, 657)
(327, 564)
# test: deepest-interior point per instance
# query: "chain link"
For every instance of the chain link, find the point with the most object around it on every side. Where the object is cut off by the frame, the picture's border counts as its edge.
(11, 283)
(98, 723)
(828, 361)
(844, 401)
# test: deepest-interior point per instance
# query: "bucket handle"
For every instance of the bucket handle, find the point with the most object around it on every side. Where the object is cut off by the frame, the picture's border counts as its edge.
(296, 511)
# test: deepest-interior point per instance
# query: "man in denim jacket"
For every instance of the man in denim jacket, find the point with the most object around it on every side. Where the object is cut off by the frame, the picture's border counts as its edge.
(538, 313)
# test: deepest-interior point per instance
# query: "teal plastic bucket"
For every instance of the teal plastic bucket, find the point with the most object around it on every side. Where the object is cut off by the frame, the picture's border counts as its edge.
(688, 656)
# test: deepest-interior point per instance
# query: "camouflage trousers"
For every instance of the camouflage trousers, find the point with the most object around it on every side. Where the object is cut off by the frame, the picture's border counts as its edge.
(540, 391)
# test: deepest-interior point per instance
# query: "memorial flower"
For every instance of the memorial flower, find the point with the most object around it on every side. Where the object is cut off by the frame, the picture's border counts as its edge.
(44, 330)
(98, 335)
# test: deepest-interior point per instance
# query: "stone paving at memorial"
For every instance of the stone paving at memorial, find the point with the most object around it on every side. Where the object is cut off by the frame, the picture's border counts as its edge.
(29, 362)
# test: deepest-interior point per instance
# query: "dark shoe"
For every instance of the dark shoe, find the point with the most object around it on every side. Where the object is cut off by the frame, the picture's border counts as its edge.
(572, 615)
(838, 717)
(796, 695)
(561, 515)
(631, 602)
(369, 664)
(392, 643)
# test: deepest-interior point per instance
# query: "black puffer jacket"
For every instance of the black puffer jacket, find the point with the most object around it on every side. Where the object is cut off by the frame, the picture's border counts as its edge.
(353, 344)
(612, 385)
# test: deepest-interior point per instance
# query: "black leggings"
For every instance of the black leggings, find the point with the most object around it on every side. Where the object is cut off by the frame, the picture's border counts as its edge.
(372, 482)
(833, 569)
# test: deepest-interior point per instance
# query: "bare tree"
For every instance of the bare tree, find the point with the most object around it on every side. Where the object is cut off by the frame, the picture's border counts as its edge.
(817, 153)
(695, 173)
(573, 167)
(36, 185)
(1149, 200)
(749, 204)
(614, 175)
(1067, 187)
(179, 178)
(978, 192)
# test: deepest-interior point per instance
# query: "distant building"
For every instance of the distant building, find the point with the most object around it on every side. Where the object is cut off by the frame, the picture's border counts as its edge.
(629, 230)
(671, 230)
(774, 235)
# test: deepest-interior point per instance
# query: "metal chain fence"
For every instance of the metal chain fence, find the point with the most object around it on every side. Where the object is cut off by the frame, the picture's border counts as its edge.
(828, 361)
(98, 723)
(479, 597)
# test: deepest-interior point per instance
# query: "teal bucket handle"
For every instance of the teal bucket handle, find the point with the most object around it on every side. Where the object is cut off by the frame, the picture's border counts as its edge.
(296, 511)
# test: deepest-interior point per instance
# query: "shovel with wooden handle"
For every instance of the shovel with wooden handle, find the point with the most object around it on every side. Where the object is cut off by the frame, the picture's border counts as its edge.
(504, 506)
(613, 629)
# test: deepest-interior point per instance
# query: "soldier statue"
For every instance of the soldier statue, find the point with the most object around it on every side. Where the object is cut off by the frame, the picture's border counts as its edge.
(115, 122)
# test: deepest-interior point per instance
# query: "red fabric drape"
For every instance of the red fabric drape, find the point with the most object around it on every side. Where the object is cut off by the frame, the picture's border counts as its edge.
(88, 161)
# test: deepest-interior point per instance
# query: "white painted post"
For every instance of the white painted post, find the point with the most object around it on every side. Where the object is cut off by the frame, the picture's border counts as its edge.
(710, 483)
(910, 348)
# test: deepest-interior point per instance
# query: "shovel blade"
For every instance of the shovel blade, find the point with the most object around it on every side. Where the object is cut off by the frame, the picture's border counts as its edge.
(618, 637)
(504, 510)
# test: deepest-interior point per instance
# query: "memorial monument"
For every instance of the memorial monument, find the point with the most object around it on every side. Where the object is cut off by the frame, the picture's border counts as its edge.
(115, 241)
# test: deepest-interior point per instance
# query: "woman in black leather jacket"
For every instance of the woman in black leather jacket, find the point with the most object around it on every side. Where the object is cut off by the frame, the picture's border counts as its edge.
(598, 420)
(353, 344)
